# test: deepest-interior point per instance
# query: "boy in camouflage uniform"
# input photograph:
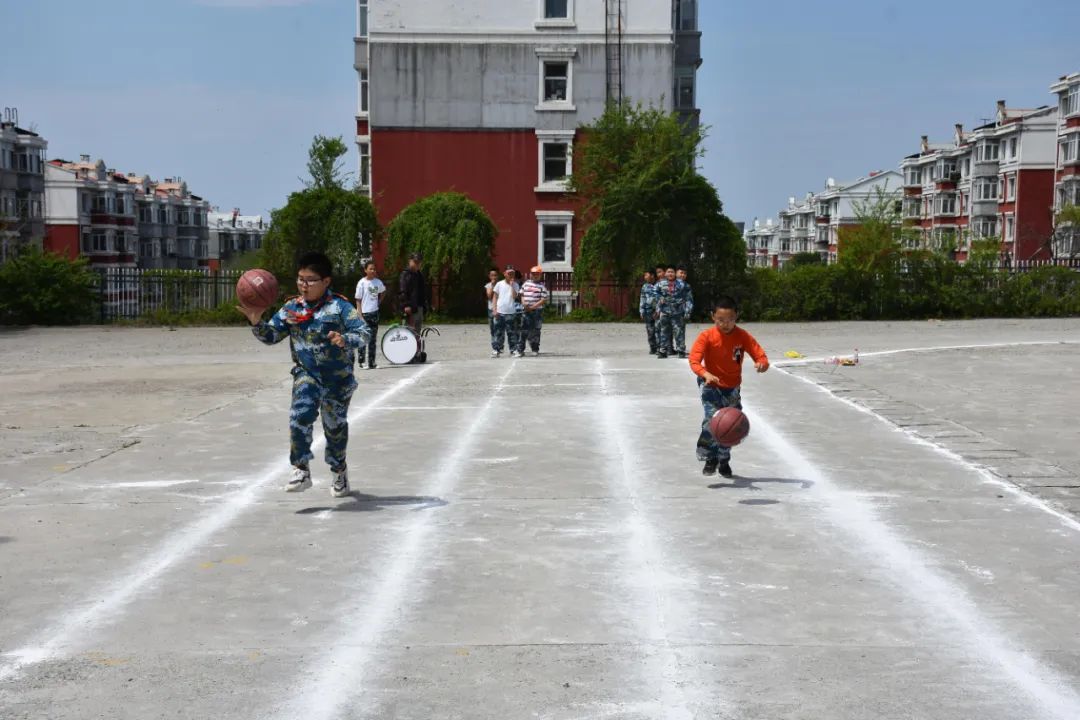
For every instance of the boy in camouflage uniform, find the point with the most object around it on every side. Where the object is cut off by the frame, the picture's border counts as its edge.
(324, 330)
(647, 308)
(680, 274)
(671, 304)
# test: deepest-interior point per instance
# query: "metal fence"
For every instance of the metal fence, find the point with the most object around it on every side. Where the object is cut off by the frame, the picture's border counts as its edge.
(130, 293)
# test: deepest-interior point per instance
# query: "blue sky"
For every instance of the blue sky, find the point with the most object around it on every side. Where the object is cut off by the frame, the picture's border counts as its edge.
(228, 93)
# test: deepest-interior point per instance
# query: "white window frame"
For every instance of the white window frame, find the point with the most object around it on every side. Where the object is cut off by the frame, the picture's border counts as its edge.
(552, 137)
(555, 217)
(1070, 148)
(1070, 100)
(682, 76)
(364, 149)
(542, 21)
(363, 19)
(1010, 188)
(1010, 227)
(556, 55)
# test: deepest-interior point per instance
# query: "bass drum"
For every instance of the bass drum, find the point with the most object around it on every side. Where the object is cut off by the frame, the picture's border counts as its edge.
(400, 344)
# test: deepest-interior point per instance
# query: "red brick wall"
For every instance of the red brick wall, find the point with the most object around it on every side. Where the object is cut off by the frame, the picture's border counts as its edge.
(496, 169)
(62, 240)
(1034, 213)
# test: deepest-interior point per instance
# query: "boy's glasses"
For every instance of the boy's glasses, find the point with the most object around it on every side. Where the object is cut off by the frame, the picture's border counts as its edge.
(304, 282)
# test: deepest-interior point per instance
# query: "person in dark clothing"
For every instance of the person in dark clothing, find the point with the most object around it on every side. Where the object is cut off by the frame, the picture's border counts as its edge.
(413, 293)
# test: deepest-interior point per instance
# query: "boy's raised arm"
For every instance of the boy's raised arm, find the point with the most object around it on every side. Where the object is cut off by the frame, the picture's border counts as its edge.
(273, 330)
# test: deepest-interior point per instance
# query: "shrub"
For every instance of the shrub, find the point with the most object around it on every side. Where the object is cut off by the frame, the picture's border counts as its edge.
(39, 288)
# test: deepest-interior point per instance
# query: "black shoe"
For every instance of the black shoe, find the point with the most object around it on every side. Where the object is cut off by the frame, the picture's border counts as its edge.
(661, 356)
(710, 467)
(725, 468)
(652, 351)
(682, 355)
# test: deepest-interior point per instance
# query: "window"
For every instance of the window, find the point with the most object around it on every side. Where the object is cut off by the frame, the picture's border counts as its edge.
(1069, 148)
(1012, 148)
(1010, 193)
(85, 243)
(946, 205)
(987, 227)
(986, 189)
(684, 91)
(1010, 226)
(99, 242)
(556, 9)
(556, 81)
(986, 151)
(362, 19)
(556, 158)
(912, 207)
(365, 164)
(364, 90)
(911, 176)
(555, 234)
(945, 169)
(1070, 100)
(686, 15)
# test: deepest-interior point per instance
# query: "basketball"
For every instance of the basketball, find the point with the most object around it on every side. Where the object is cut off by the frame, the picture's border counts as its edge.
(257, 289)
(729, 426)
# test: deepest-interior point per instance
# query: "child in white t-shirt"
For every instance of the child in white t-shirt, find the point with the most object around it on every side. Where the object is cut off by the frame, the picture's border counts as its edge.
(369, 292)
(505, 311)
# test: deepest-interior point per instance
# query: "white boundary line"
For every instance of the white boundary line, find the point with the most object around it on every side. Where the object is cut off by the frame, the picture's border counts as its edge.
(328, 682)
(1066, 519)
(651, 580)
(106, 602)
(879, 353)
(886, 549)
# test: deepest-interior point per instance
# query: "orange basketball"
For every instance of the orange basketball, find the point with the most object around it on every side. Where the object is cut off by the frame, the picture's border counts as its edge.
(257, 289)
(729, 426)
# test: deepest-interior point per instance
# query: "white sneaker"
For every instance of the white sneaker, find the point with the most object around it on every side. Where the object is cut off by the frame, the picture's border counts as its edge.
(300, 481)
(536, 353)
(495, 354)
(340, 486)
(515, 354)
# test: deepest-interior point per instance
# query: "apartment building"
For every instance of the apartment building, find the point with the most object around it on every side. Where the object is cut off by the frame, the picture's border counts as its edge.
(123, 220)
(485, 98)
(22, 186)
(839, 207)
(1067, 165)
(233, 234)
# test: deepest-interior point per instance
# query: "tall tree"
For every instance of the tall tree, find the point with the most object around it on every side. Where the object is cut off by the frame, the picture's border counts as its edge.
(324, 217)
(456, 237)
(645, 202)
(875, 242)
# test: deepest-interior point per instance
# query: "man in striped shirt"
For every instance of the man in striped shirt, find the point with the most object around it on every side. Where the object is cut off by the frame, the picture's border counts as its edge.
(533, 298)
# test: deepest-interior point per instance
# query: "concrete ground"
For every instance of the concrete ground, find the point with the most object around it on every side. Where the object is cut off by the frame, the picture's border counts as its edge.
(534, 538)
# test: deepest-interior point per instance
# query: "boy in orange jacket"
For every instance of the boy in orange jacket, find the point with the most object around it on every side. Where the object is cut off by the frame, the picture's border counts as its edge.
(716, 358)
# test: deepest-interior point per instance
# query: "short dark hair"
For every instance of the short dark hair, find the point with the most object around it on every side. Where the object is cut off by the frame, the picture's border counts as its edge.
(416, 256)
(316, 262)
(369, 263)
(493, 269)
(681, 267)
(669, 266)
(724, 302)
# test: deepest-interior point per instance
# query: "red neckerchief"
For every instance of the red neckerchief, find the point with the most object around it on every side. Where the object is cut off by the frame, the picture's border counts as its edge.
(302, 316)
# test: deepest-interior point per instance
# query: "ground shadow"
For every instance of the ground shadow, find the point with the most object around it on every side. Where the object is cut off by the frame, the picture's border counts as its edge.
(5, 539)
(362, 502)
(740, 483)
(759, 501)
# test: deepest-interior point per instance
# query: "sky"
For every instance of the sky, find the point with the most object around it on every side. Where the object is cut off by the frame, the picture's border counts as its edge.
(227, 94)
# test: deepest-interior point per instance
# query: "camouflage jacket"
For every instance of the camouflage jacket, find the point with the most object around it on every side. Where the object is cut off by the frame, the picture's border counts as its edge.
(308, 328)
(649, 296)
(672, 297)
(689, 300)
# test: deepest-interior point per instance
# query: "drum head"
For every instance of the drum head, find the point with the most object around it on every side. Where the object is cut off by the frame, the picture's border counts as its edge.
(399, 344)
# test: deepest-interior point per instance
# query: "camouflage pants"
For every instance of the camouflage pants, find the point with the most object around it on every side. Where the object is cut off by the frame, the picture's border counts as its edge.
(712, 399)
(508, 327)
(671, 332)
(532, 322)
(372, 320)
(650, 329)
(309, 400)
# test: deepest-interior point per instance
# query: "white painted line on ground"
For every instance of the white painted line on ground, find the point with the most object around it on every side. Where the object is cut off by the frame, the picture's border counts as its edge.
(652, 581)
(1066, 519)
(108, 601)
(885, 548)
(933, 348)
(329, 682)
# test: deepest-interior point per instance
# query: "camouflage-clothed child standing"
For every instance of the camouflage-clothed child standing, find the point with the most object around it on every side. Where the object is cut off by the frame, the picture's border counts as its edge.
(324, 330)
(671, 300)
(647, 308)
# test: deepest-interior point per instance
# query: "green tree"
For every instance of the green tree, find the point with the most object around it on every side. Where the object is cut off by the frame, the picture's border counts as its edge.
(645, 202)
(874, 243)
(324, 217)
(42, 288)
(455, 236)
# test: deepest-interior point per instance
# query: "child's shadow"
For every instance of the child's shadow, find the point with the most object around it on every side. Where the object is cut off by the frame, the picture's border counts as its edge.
(362, 502)
(739, 483)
